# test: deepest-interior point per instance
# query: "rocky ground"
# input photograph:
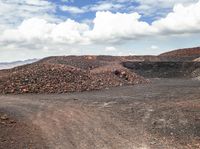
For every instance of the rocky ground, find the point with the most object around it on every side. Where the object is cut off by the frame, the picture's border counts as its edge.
(121, 107)
(67, 74)
(18, 133)
(161, 115)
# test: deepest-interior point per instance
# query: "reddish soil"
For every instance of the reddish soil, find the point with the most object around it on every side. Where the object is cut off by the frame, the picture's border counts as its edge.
(17, 133)
(183, 52)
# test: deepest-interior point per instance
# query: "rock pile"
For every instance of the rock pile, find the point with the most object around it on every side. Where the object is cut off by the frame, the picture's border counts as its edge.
(65, 74)
(44, 78)
(82, 62)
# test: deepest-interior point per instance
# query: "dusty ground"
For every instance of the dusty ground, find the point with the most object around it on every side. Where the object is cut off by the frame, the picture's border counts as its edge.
(161, 115)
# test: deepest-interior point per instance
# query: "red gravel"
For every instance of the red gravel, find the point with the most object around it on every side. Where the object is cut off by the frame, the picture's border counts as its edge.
(66, 74)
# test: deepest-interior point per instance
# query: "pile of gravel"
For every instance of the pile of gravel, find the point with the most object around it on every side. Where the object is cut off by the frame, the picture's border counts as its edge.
(57, 75)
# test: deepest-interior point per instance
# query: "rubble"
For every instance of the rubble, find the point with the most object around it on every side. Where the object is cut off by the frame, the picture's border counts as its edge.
(5, 120)
(66, 74)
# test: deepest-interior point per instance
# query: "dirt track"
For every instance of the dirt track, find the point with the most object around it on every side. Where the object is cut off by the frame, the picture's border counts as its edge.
(161, 115)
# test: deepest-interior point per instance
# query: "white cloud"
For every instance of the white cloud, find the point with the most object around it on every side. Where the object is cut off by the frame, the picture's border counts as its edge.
(105, 6)
(70, 32)
(100, 6)
(110, 49)
(183, 20)
(116, 26)
(36, 30)
(158, 8)
(13, 12)
(154, 47)
(123, 1)
(68, 1)
(37, 2)
(89, 22)
(108, 27)
(39, 32)
(72, 9)
(164, 3)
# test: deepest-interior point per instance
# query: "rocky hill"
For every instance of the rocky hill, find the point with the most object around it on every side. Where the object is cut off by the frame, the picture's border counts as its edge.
(67, 74)
(187, 54)
(63, 74)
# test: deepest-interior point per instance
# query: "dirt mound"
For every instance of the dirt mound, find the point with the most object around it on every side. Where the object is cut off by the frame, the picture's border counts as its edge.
(64, 74)
(183, 52)
(82, 62)
(188, 54)
(44, 78)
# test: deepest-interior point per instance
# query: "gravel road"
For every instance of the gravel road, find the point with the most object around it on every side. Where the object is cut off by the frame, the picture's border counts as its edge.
(162, 115)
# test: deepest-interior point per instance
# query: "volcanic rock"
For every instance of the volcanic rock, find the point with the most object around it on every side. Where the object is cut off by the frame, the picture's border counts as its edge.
(66, 74)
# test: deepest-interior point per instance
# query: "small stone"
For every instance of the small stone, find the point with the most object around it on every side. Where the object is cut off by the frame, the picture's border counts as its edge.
(153, 142)
(3, 123)
(4, 117)
(12, 121)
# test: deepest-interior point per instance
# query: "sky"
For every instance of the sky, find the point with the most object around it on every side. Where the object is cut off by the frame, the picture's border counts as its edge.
(40, 28)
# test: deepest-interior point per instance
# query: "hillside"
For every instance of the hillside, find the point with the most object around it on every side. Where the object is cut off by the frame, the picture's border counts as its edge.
(63, 74)
(187, 54)
(163, 112)
(67, 74)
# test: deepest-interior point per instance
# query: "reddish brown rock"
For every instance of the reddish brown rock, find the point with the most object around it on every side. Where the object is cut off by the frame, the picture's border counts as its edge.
(66, 74)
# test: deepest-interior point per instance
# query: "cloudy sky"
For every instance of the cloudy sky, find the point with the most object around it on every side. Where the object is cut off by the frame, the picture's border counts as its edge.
(40, 28)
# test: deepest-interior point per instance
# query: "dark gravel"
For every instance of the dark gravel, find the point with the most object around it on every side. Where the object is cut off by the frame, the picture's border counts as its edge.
(161, 115)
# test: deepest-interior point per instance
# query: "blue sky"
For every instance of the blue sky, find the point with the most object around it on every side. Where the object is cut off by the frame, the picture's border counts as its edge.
(40, 28)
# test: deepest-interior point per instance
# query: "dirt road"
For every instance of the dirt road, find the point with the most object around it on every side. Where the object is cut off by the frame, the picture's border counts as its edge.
(161, 115)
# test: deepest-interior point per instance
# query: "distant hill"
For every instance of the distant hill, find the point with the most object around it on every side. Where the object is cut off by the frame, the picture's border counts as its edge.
(187, 54)
(9, 65)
